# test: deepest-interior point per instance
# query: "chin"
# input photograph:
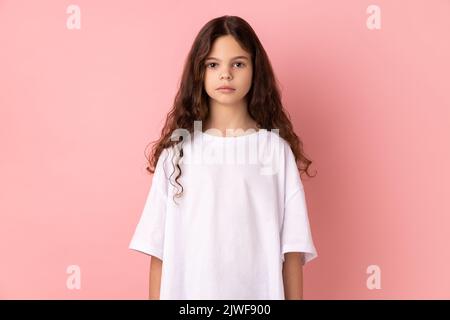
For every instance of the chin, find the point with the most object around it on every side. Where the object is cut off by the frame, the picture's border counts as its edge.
(227, 101)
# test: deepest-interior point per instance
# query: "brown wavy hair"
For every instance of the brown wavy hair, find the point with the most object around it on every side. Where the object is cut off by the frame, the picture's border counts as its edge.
(191, 101)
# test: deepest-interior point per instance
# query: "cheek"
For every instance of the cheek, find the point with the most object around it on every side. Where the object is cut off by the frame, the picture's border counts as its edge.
(247, 79)
(209, 80)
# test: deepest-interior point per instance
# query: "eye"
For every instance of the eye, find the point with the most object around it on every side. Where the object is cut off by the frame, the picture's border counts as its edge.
(240, 63)
(213, 64)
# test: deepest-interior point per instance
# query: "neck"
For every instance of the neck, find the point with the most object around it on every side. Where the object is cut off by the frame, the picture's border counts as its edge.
(224, 116)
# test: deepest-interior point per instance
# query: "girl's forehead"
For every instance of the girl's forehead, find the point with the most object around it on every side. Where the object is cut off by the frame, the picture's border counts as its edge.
(226, 47)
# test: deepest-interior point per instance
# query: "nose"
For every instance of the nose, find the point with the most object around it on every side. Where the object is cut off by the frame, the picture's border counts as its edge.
(225, 75)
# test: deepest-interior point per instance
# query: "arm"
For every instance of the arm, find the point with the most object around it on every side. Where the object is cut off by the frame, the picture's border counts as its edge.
(155, 278)
(293, 276)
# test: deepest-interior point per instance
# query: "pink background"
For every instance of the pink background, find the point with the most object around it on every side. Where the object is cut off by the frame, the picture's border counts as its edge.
(77, 108)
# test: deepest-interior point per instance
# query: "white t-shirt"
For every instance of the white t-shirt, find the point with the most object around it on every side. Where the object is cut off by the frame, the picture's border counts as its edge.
(243, 206)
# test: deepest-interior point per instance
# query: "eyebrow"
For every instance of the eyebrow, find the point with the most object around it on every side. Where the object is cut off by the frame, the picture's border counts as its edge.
(238, 57)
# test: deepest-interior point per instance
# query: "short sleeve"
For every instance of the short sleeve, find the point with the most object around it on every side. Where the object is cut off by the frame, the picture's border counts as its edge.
(295, 232)
(149, 233)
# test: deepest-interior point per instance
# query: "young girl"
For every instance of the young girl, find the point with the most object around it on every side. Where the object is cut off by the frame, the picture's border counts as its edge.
(230, 221)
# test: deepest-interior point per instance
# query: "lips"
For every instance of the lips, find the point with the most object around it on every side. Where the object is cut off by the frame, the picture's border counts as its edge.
(225, 88)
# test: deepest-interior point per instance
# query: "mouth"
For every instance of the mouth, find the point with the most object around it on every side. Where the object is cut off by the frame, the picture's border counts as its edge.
(226, 89)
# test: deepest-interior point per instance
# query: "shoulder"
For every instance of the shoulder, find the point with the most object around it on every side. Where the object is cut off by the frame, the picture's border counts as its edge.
(278, 142)
(164, 159)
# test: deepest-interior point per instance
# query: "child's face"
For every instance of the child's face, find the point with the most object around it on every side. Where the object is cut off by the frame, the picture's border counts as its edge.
(228, 70)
